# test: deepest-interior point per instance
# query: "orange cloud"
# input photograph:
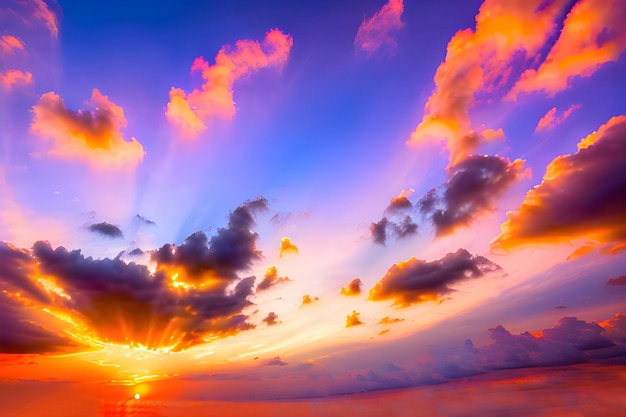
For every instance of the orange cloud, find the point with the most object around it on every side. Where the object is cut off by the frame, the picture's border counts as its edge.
(190, 112)
(11, 78)
(593, 34)
(9, 43)
(91, 135)
(353, 288)
(374, 33)
(480, 61)
(287, 247)
(551, 119)
(353, 319)
(582, 195)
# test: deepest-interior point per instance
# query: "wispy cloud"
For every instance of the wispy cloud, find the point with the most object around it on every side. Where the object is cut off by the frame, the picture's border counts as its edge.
(552, 119)
(376, 34)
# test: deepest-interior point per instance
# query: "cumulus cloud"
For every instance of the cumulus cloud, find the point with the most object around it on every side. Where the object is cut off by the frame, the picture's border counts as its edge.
(593, 34)
(10, 44)
(93, 135)
(271, 279)
(307, 299)
(271, 319)
(617, 281)
(582, 195)
(353, 319)
(474, 186)
(398, 228)
(415, 281)
(481, 61)
(569, 341)
(552, 119)
(376, 34)
(287, 247)
(106, 229)
(353, 288)
(12, 78)
(190, 112)
(195, 295)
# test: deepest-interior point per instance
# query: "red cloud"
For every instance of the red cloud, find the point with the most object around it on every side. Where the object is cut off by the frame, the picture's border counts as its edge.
(91, 135)
(374, 33)
(593, 34)
(190, 112)
(10, 78)
(9, 43)
(551, 119)
(481, 60)
(582, 195)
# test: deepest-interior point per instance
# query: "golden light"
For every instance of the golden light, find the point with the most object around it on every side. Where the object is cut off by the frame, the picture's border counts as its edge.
(137, 396)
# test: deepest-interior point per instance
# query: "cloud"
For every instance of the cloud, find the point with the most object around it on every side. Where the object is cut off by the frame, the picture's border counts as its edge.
(287, 247)
(617, 281)
(271, 319)
(307, 299)
(353, 288)
(551, 119)
(582, 195)
(569, 341)
(593, 34)
(271, 279)
(92, 135)
(473, 188)
(388, 320)
(276, 362)
(353, 319)
(42, 12)
(106, 229)
(11, 78)
(376, 33)
(9, 44)
(144, 220)
(190, 112)
(195, 295)
(481, 61)
(400, 227)
(416, 281)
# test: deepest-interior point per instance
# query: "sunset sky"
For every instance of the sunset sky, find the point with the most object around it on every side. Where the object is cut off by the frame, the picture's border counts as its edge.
(218, 205)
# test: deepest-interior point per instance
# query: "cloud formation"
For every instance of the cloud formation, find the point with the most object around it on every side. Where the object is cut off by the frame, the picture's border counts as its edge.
(582, 195)
(191, 112)
(376, 33)
(195, 295)
(93, 135)
(11, 78)
(42, 12)
(353, 288)
(551, 119)
(271, 279)
(617, 281)
(353, 319)
(271, 319)
(307, 299)
(106, 229)
(593, 34)
(416, 281)
(10, 44)
(473, 188)
(481, 61)
(287, 247)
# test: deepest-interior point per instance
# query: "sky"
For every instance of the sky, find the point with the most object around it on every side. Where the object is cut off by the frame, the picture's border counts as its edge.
(253, 207)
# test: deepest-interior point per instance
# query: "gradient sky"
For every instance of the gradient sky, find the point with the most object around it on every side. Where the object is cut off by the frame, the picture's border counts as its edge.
(239, 200)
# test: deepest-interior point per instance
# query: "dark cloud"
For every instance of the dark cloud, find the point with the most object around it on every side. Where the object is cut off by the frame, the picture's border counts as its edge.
(196, 293)
(276, 362)
(271, 319)
(398, 228)
(136, 252)
(106, 229)
(231, 250)
(473, 188)
(617, 281)
(582, 195)
(353, 319)
(353, 288)
(144, 220)
(271, 279)
(416, 281)
(379, 230)
(570, 341)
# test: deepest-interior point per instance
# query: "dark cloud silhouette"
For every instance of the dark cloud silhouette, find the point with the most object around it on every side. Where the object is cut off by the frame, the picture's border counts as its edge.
(144, 220)
(271, 279)
(398, 228)
(107, 229)
(136, 252)
(271, 319)
(416, 281)
(473, 188)
(379, 230)
(582, 195)
(353, 319)
(276, 362)
(353, 288)
(617, 281)
(196, 293)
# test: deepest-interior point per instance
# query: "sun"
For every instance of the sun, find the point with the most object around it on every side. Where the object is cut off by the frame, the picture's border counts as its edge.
(137, 396)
